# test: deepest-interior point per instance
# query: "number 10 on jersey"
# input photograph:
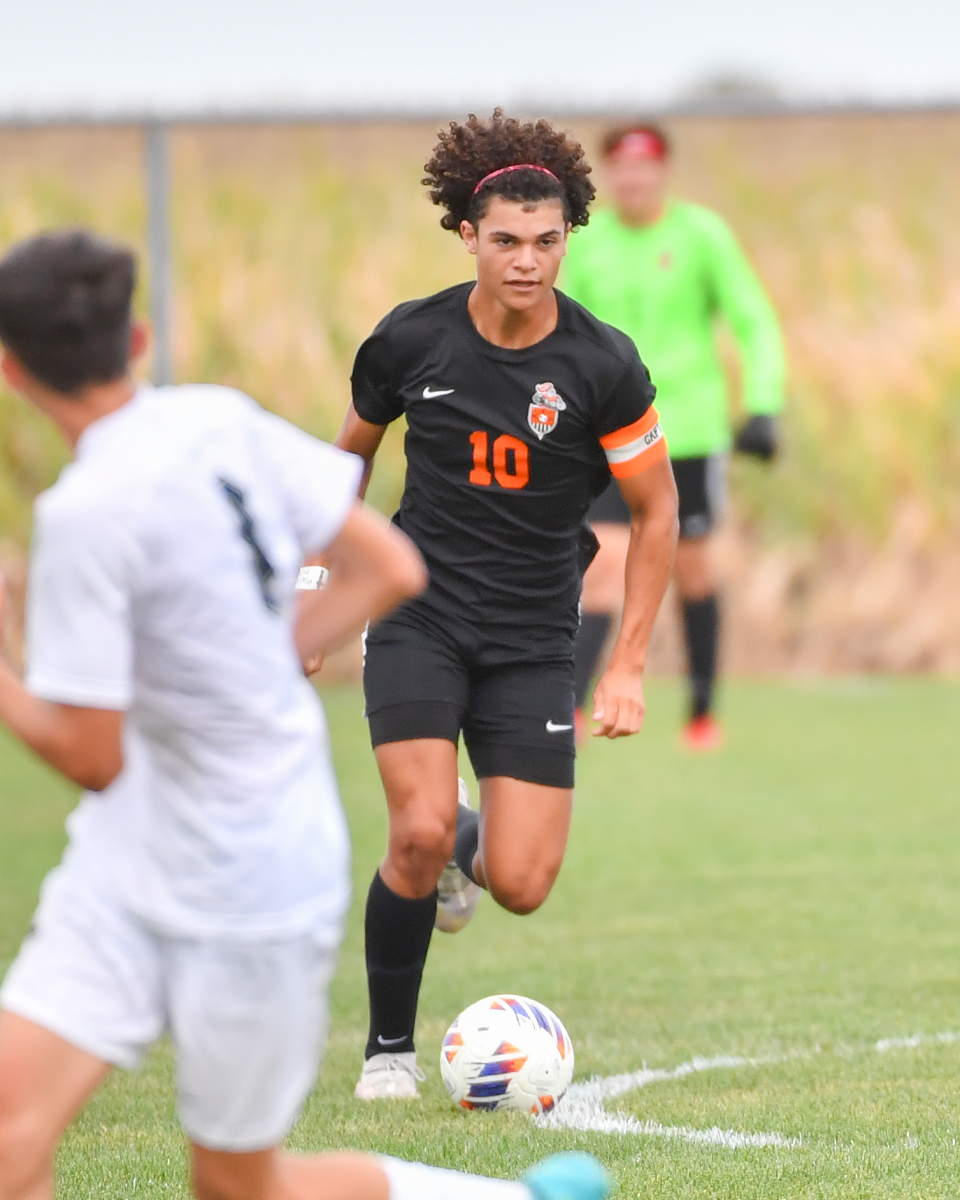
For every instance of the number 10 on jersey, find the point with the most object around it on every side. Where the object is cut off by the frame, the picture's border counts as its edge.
(511, 461)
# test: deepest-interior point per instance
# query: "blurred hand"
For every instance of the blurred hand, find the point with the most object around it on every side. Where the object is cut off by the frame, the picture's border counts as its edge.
(758, 436)
(312, 665)
(618, 704)
(4, 612)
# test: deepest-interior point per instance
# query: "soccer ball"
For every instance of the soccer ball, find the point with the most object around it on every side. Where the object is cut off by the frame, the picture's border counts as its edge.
(507, 1052)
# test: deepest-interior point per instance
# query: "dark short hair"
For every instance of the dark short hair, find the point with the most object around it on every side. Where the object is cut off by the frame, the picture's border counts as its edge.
(65, 307)
(613, 137)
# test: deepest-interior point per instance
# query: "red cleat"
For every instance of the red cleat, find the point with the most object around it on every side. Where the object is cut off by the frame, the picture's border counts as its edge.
(702, 734)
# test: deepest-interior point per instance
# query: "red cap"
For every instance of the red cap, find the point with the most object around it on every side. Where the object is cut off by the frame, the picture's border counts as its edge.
(639, 143)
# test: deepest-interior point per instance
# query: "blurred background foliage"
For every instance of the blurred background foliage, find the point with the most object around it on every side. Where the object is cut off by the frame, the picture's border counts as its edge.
(292, 241)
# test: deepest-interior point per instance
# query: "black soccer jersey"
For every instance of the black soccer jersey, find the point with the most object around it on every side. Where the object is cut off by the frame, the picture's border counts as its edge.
(505, 449)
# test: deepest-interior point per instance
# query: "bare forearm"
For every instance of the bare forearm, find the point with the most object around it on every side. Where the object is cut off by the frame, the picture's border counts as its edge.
(331, 618)
(27, 718)
(653, 539)
(365, 479)
(373, 568)
(59, 737)
(359, 437)
(652, 498)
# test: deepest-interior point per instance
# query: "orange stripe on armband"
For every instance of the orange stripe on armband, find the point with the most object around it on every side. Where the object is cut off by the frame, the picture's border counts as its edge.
(632, 450)
(630, 433)
(639, 463)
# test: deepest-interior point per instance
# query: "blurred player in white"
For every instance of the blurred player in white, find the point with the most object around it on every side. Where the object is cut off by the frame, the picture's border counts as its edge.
(206, 877)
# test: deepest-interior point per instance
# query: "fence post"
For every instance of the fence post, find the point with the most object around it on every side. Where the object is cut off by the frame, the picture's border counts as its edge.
(158, 245)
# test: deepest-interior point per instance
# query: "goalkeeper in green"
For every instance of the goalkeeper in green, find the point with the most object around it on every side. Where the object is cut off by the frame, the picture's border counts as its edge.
(665, 271)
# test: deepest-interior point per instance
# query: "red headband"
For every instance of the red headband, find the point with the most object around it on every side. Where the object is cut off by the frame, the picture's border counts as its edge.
(639, 143)
(515, 167)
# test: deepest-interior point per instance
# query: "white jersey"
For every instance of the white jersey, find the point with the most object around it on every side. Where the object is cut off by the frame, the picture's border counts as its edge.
(162, 584)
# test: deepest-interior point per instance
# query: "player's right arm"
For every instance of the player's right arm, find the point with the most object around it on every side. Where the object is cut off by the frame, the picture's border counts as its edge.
(358, 437)
(70, 710)
(362, 438)
(375, 393)
(84, 744)
(373, 568)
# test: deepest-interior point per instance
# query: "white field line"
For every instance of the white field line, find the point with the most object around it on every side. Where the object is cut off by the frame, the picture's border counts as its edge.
(582, 1108)
(918, 1039)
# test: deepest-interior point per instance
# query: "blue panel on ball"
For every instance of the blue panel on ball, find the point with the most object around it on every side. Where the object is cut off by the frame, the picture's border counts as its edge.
(493, 1087)
(541, 1018)
(517, 1007)
(495, 1068)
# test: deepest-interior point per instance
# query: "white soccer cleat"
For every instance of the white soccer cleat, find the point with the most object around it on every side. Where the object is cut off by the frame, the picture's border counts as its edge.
(390, 1077)
(457, 896)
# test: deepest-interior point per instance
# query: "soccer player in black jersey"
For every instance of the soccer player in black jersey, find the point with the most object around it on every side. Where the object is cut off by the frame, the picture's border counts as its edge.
(519, 406)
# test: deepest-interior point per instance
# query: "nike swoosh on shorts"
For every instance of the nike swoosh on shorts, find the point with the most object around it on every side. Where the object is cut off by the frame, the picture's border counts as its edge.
(428, 394)
(551, 728)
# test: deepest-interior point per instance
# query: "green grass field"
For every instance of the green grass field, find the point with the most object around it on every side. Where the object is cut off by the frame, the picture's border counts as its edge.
(796, 897)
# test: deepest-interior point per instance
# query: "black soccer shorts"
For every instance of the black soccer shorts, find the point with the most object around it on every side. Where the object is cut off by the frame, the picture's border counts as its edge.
(509, 691)
(701, 490)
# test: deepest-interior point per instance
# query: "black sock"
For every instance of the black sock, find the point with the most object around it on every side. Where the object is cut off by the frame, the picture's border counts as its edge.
(701, 622)
(468, 839)
(591, 635)
(398, 935)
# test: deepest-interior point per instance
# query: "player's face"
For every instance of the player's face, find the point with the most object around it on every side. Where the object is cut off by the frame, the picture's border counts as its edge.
(638, 185)
(519, 248)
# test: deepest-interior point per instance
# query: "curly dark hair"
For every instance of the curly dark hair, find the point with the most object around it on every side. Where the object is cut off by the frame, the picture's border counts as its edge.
(469, 151)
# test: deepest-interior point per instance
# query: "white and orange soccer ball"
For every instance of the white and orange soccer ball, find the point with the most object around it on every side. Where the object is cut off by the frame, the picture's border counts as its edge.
(507, 1052)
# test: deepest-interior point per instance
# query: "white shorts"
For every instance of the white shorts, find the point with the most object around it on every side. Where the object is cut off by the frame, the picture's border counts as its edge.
(248, 1020)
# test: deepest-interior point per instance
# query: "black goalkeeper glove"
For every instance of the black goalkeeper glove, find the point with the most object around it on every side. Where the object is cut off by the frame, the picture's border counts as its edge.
(758, 436)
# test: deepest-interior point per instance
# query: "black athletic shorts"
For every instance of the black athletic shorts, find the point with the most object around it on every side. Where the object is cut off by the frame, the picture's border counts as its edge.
(509, 690)
(701, 488)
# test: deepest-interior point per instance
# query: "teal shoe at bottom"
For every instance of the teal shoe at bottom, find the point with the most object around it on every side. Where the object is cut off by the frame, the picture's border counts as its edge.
(573, 1176)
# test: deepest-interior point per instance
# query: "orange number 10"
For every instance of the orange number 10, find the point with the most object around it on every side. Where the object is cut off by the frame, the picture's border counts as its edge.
(509, 474)
(480, 474)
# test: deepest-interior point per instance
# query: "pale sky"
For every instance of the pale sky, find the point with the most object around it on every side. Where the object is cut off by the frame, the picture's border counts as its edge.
(187, 56)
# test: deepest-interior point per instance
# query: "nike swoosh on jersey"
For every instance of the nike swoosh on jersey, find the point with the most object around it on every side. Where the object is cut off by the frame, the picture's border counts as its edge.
(429, 394)
(551, 728)
(390, 1041)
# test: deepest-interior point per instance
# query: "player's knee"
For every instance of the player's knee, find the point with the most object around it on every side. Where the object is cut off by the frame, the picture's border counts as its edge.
(521, 893)
(215, 1189)
(25, 1156)
(213, 1183)
(422, 840)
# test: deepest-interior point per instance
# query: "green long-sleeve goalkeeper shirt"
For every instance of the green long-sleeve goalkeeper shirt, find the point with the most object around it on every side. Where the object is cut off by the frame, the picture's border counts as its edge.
(665, 285)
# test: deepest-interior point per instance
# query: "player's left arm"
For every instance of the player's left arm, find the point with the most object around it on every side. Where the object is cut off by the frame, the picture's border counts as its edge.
(84, 744)
(743, 302)
(358, 437)
(651, 496)
(373, 568)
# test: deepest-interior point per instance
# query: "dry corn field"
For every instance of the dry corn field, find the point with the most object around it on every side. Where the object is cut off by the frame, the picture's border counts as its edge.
(291, 241)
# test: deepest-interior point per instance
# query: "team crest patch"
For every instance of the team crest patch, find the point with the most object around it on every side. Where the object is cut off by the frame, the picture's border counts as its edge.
(545, 409)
